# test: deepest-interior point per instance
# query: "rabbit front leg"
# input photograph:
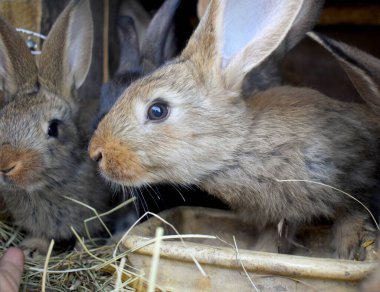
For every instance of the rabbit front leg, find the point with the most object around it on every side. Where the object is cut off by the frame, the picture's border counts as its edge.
(350, 231)
(286, 240)
(34, 246)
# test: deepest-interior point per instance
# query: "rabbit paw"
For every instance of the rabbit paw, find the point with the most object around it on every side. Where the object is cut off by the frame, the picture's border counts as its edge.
(33, 247)
(352, 233)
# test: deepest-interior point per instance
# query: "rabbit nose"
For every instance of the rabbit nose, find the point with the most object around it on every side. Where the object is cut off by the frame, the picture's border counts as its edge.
(96, 154)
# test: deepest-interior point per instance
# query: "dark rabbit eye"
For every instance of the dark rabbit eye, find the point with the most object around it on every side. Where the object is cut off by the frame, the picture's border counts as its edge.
(158, 111)
(53, 128)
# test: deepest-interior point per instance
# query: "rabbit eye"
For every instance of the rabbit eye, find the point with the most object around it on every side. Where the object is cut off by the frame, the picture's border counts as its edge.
(158, 111)
(53, 128)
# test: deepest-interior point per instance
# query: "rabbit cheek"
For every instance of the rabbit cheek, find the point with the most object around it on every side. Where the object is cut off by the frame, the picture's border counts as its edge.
(117, 163)
(20, 167)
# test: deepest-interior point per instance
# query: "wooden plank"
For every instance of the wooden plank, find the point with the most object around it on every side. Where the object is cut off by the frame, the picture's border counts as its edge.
(356, 14)
(24, 14)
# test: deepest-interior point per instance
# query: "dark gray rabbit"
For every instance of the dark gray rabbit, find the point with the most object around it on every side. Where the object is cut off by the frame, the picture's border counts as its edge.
(42, 153)
(139, 56)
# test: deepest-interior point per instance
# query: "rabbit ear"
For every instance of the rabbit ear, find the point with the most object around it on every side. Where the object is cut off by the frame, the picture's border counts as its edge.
(237, 36)
(130, 59)
(67, 51)
(201, 7)
(268, 73)
(362, 68)
(305, 21)
(157, 44)
(18, 71)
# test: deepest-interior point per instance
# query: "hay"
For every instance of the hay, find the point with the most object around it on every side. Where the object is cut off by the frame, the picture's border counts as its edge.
(76, 270)
(90, 266)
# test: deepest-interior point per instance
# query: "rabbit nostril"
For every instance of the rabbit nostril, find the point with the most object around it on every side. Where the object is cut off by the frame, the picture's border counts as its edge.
(8, 169)
(97, 155)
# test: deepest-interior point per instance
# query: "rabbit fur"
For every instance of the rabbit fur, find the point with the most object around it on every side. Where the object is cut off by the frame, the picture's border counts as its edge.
(42, 154)
(364, 73)
(238, 148)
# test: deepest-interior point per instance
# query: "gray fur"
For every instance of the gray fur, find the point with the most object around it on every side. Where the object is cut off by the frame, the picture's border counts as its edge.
(45, 168)
(139, 54)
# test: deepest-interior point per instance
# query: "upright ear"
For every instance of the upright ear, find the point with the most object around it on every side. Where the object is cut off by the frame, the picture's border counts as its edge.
(268, 73)
(18, 71)
(158, 44)
(130, 59)
(67, 51)
(235, 37)
(362, 68)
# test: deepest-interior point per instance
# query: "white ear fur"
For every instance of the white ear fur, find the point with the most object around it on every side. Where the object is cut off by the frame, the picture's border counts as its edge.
(79, 45)
(248, 31)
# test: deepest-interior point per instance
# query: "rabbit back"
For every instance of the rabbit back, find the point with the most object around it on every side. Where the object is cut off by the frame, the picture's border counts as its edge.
(300, 134)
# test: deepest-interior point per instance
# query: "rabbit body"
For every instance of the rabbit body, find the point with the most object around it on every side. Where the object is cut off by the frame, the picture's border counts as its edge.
(238, 151)
(299, 134)
(42, 149)
(189, 123)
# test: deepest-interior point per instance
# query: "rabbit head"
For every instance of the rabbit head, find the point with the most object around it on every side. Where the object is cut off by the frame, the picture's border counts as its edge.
(139, 54)
(183, 122)
(362, 68)
(39, 139)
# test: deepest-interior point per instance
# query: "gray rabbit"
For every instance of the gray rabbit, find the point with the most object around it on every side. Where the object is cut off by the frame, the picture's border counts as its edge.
(42, 153)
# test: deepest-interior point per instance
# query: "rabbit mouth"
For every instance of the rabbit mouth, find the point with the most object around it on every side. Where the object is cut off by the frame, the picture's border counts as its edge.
(19, 168)
(9, 184)
(123, 178)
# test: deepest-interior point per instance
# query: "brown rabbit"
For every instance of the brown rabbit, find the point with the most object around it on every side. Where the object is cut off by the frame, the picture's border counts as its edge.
(187, 123)
(42, 155)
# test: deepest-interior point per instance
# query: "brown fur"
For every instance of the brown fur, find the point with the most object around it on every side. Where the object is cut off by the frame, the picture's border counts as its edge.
(20, 166)
(47, 168)
(238, 149)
